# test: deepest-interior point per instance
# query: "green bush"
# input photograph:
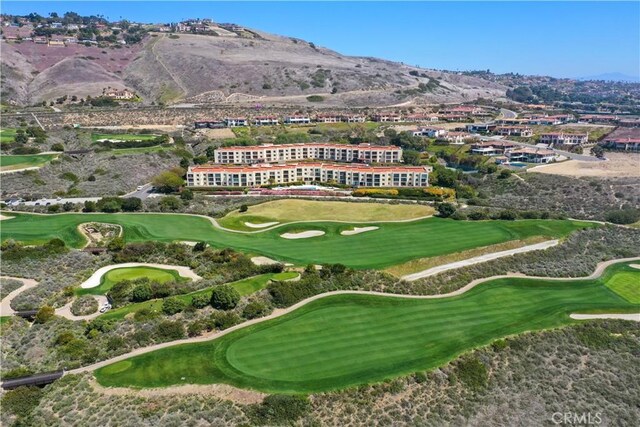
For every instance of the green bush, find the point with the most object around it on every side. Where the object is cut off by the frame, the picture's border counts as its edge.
(21, 401)
(315, 98)
(472, 372)
(623, 216)
(279, 409)
(169, 330)
(224, 297)
(173, 305)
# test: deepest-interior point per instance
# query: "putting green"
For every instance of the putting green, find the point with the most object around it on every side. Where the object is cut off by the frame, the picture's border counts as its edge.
(346, 340)
(392, 243)
(131, 273)
(627, 285)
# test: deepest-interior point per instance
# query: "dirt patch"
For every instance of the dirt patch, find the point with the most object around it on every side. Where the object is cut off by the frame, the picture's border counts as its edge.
(98, 234)
(222, 391)
(617, 165)
(358, 230)
(303, 234)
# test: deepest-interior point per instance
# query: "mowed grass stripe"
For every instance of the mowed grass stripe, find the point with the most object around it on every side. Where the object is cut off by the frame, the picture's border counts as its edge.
(391, 244)
(350, 339)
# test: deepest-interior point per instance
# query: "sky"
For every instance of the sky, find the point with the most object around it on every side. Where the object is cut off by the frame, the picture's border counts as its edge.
(561, 39)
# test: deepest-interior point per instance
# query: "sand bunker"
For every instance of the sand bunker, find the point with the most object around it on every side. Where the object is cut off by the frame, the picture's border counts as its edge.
(635, 266)
(357, 230)
(303, 234)
(263, 260)
(263, 225)
(4, 217)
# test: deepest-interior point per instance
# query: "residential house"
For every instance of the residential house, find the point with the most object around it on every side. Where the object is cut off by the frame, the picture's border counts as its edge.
(265, 121)
(429, 132)
(531, 155)
(551, 139)
(123, 94)
(523, 131)
(328, 118)
(493, 148)
(232, 122)
(421, 118)
(354, 118)
(344, 174)
(387, 117)
(56, 43)
(624, 144)
(298, 120)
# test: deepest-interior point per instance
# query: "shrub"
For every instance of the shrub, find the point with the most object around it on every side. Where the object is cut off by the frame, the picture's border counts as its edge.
(279, 409)
(255, 309)
(21, 401)
(200, 301)
(131, 204)
(170, 330)
(504, 174)
(315, 98)
(200, 246)
(472, 372)
(224, 297)
(141, 292)
(445, 210)
(623, 216)
(225, 319)
(84, 305)
(173, 305)
(57, 147)
(477, 216)
(243, 208)
(45, 314)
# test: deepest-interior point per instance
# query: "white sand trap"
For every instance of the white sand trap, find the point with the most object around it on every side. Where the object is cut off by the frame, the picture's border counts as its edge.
(4, 217)
(262, 225)
(635, 266)
(95, 278)
(263, 260)
(629, 316)
(357, 230)
(303, 234)
(189, 242)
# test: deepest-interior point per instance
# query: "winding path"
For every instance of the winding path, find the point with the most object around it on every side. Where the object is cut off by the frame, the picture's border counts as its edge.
(5, 305)
(280, 312)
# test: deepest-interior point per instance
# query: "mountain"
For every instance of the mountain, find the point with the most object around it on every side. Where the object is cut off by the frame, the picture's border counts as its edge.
(613, 77)
(189, 68)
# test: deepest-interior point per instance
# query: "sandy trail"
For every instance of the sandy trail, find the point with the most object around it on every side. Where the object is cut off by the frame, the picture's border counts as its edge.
(479, 259)
(280, 312)
(95, 278)
(65, 311)
(358, 230)
(5, 305)
(303, 234)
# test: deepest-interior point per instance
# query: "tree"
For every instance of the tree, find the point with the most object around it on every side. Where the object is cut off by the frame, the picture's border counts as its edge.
(200, 160)
(243, 208)
(167, 182)
(68, 206)
(597, 151)
(186, 194)
(173, 305)
(411, 157)
(224, 297)
(170, 203)
(169, 330)
(45, 314)
(623, 216)
(255, 309)
(89, 206)
(200, 246)
(445, 210)
(184, 163)
(21, 401)
(116, 244)
(57, 147)
(200, 301)
(141, 292)
(504, 174)
(121, 291)
(210, 152)
(109, 204)
(131, 204)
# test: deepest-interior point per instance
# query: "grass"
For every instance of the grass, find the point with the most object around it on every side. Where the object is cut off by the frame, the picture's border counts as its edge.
(7, 135)
(141, 150)
(123, 136)
(310, 210)
(627, 285)
(131, 273)
(10, 162)
(4, 319)
(391, 244)
(347, 340)
(244, 287)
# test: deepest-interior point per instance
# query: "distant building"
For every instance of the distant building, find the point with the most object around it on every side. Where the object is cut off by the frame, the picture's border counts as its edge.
(491, 148)
(531, 155)
(299, 120)
(123, 94)
(344, 174)
(430, 132)
(387, 117)
(624, 144)
(209, 124)
(233, 122)
(523, 131)
(266, 121)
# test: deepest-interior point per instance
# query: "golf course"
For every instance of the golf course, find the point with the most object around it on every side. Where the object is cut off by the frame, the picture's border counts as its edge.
(390, 244)
(12, 162)
(347, 339)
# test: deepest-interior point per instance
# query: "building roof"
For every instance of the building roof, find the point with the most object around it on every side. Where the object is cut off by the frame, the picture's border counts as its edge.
(362, 146)
(291, 166)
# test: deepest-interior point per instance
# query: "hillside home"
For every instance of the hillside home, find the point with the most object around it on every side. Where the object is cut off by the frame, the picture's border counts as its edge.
(564, 138)
(422, 118)
(387, 117)
(265, 121)
(491, 148)
(297, 120)
(328, 118)
(523, 131)
(344, 174)
(531, 155)
(354, 118)
(429, 132)
(123, 94)
(232, 122)
(624, 144)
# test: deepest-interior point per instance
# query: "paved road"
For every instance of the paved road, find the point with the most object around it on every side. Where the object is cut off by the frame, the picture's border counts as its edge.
(146, 191)
(508, 114)
(567, 154)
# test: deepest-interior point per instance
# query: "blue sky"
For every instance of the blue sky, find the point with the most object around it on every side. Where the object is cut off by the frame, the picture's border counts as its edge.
(567, 39)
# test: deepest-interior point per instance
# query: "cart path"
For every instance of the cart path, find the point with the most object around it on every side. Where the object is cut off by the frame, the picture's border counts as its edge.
(5, 305)
(280, 312)
(479, 259)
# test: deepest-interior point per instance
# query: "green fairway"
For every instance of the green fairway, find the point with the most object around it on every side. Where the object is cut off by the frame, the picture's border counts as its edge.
(131, 273)
(627, 285)
(25, 161)
(244, 287)
(346, 340)
(392, 243)
(123, 136)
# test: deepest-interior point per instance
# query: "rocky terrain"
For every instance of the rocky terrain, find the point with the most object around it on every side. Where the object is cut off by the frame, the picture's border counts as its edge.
(222, 69)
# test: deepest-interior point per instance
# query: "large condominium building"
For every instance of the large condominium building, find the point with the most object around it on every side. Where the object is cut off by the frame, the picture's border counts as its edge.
(564, 138)
(365, 153)
(345, 174)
